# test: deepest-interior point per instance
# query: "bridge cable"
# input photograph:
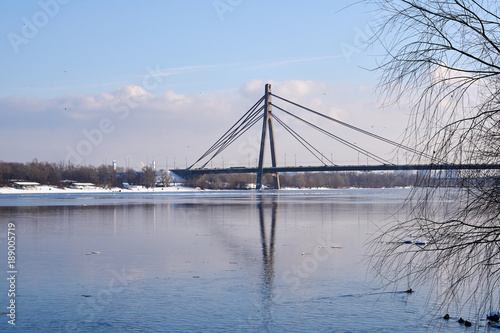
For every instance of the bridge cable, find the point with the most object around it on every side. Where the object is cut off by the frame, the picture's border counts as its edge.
(302, 141)
(249, 114)
(227, 133)
(245, 118)
(399, 145)
(249, 122)
(235, 137)
(337, 138)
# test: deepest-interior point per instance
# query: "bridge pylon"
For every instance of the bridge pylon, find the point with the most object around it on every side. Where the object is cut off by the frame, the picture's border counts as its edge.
(267, 125)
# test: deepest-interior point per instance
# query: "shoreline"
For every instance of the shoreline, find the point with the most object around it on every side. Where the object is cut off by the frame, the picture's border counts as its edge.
(45, 189)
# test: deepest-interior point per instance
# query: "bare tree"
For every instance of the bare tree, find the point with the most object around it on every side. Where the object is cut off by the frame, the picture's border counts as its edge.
(443, 56)
(106, 175)
(148, 176)
(165, 177)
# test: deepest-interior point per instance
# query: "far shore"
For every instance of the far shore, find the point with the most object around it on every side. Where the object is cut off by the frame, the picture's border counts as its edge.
(47, 189)
(53, 189)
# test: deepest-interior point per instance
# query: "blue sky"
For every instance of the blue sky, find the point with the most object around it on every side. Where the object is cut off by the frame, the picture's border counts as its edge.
(187, 69)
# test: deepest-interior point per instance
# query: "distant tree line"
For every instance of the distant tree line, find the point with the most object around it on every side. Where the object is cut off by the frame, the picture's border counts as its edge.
(307, 180)
(56, 174)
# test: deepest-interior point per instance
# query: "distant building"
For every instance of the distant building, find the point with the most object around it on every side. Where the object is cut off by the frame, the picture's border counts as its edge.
(83, 186)
(26, 185)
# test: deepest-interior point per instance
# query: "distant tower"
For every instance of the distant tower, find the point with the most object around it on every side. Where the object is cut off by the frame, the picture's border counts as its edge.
(114, 165)
(154, 165)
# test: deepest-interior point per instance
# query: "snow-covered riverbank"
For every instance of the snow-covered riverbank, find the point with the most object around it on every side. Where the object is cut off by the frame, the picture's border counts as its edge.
(53, 189)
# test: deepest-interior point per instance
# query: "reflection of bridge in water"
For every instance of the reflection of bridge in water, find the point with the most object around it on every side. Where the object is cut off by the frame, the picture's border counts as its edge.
(263, 109)
(267, 292)
(268, 246)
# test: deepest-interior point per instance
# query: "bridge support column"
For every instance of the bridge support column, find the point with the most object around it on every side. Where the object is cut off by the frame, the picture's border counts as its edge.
(267, 124)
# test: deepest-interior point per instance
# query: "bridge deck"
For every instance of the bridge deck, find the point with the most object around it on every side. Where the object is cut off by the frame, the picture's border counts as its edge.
(189, 173)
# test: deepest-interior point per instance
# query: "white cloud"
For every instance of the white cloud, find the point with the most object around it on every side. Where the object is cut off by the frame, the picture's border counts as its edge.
(299, 89)
(252, 88)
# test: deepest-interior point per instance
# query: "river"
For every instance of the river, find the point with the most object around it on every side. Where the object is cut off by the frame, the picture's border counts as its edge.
(205, 261)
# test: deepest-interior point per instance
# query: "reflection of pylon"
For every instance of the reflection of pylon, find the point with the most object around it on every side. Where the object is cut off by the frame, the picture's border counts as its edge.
(267, 123)
(268, 246)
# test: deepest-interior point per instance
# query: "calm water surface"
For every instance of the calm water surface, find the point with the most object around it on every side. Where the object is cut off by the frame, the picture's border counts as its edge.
(205, 262)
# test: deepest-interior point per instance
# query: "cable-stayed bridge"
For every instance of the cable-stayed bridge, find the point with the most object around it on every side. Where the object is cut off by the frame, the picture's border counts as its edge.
(262, 111)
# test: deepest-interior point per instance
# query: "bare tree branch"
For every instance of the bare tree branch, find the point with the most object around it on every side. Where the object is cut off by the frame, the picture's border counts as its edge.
(443, 57)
